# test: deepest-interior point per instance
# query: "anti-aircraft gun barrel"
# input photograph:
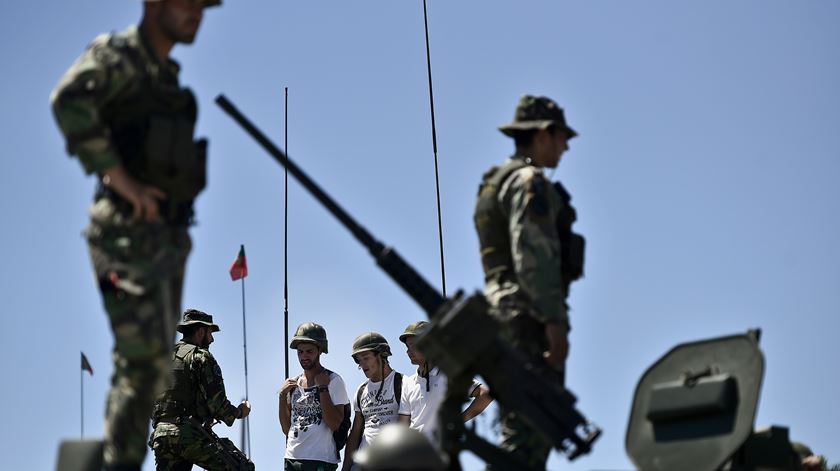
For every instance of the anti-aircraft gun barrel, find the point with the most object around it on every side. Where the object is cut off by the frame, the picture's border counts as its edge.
(386, 257)
(528, 387)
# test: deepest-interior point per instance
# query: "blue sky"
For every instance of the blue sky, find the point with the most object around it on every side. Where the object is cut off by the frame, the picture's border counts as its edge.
(704, 178)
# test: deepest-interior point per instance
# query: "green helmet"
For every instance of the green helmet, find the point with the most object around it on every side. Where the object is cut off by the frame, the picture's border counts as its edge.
(310, 332)
(414, 329)
(399, 447)
(371, 342)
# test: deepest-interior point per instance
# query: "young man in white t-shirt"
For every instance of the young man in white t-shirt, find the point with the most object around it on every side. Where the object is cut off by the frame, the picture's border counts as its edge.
(312, 406)
(376, 401)
(424, 391)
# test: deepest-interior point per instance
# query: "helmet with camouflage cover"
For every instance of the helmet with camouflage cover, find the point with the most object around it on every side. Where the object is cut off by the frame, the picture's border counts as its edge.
(310, 332)
(537, 112)
(207, 3)
(414, 329)
(399, 447)
(371, 342)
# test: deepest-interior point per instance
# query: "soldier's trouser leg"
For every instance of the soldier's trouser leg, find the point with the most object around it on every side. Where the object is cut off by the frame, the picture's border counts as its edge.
(523, 442)
(141, 290)
(180, 453)
(518, 438)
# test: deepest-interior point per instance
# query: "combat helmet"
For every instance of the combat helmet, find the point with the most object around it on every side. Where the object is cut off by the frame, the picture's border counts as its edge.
(310, 332)
(371, 342)
(414, 329)
(399, 447)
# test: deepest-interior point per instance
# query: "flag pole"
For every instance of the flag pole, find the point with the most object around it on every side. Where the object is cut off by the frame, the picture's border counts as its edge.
(246, 423)
(286, 242)
(82, 400)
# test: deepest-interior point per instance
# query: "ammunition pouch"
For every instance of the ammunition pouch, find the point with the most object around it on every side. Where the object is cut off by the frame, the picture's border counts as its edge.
(572, 247)
(572, 244)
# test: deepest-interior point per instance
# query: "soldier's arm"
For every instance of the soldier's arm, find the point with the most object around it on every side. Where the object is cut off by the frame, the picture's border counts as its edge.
(99, 76)
(353, 441)
(93, 81)
(481, 399)
(212, 389)
(535, 243)
(530, 203)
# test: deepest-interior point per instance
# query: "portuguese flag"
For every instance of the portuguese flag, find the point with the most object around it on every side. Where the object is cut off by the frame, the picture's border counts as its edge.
(239, 269)
(86, 364)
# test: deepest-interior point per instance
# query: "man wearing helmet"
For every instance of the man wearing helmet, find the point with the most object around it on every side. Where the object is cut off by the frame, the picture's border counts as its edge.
(126, 117)
(376, 402)
(425, 390)
(313, 406)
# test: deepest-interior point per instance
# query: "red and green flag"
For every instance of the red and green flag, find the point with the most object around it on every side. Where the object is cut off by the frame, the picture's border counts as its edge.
(239, 269)
(86, 364)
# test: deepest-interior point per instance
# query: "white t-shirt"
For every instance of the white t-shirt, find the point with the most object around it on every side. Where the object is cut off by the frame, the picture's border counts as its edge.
(377, 412)
(423, 405)
(309, 436)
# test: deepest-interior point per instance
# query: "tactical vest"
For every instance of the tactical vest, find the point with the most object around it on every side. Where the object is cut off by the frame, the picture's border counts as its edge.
(179, 398)
(152, 127)
(494, 235)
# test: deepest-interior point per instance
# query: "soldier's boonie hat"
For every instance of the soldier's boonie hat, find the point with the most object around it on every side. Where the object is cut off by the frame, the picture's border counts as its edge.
(537, 112)
(399, 447)
(371, 342)
(207, 3)
(414, 329)
(310, 332)
(194, 316)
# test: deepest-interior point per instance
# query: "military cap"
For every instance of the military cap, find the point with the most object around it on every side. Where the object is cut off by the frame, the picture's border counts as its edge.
(194, 316)
(399, 447)
(537, 112)
(414, 329)
(310, 332)
(371, 342)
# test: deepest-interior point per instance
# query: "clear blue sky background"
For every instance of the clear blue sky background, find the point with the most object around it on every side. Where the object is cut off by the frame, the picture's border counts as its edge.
(704, 176)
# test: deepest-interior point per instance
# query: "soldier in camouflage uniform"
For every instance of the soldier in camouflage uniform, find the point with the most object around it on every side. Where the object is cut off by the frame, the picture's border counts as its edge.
(529, 252)
(194, 398)
(127, 119)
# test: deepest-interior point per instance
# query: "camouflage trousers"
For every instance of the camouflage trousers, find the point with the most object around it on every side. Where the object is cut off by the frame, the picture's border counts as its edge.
(518, 438)
(140, 271)
(179, 447)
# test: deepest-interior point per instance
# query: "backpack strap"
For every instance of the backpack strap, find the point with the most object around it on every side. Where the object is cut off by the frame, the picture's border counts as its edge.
(398, 388)
(359, 396)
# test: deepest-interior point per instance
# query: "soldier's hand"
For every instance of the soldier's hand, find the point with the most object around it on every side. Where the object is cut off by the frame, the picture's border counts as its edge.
(143, 198)
(288, 386)
(558, 345)
(244, 409)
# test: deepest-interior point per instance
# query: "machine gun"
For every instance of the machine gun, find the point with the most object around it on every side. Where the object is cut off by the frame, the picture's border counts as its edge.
(523, 385)
(694, 409)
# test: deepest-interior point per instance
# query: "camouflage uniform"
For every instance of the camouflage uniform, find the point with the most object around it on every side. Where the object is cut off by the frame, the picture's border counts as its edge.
(195, 396)
(530, 256)
(119, 105)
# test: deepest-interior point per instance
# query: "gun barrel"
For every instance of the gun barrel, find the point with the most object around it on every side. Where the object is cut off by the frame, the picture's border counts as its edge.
(386, 257)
